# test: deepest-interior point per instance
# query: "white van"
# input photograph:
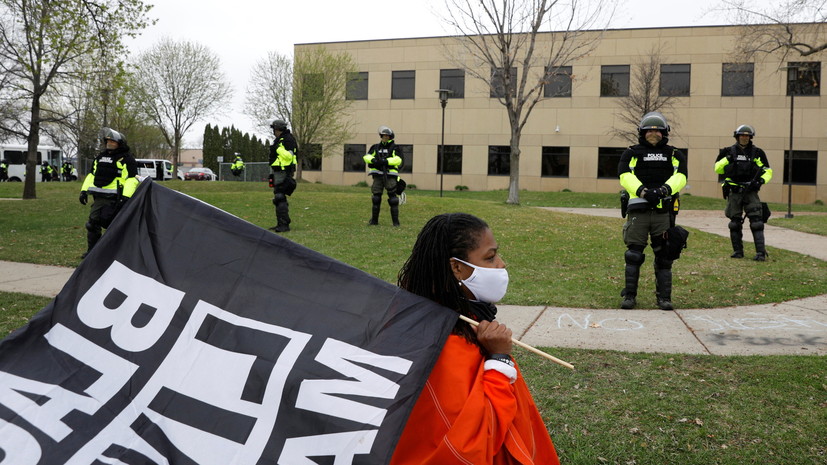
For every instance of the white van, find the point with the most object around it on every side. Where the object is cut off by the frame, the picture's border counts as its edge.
(15, 155)
(156, 169)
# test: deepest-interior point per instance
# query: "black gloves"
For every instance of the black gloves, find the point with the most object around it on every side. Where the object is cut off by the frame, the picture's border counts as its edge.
(664, 190)
(755, 184)
(652, 196)
(379, 162)
(83, 197)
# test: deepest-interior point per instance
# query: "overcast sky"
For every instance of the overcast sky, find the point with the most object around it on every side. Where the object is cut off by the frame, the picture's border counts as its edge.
(241, 32)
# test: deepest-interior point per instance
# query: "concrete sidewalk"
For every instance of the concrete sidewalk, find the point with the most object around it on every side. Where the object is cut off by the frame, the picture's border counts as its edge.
(796, 327)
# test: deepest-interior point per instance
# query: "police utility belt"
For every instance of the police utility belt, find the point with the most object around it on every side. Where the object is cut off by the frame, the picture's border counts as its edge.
(671, 204)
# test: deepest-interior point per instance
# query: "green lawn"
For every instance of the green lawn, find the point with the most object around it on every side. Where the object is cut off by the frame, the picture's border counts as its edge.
(554, 258)
(616, 408)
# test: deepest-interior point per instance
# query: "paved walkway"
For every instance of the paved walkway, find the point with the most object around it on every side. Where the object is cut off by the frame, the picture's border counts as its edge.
(796, 327)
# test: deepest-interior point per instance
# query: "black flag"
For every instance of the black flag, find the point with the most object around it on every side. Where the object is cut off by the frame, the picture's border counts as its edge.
(189, 336)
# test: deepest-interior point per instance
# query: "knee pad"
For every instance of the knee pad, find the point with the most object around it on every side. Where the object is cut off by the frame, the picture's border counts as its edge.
(756, 225)
(393, 201)
(376, 199)
(662, 263)
(736, 224)
(279, 198)
(634, 257)
(91, 227)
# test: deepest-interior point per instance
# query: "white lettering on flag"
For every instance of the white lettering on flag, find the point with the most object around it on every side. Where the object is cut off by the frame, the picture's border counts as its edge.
(316, 395)
(141, 296)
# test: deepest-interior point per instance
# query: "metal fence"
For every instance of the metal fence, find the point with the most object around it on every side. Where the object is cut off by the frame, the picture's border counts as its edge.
(253, 172)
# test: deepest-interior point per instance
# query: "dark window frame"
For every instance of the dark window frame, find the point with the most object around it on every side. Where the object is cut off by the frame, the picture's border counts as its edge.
(608, 159)
(555, 162)
(737, 79)
(807, 80)
(499, 160)
(453, 80)
(615, 80)
(403, 85)
(407, 157)
(453, 159)
(312, 157)
(558, 82)
(357, 86)
(353, 156)
(675, 80)
(497, 89)
(804, 169)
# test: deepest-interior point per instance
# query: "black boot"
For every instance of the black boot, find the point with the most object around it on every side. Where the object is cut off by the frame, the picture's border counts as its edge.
(735, 236)
(374, 212)
(757, 228)
(634, 259)
(395, 214)
(282, 217)
(663, 283)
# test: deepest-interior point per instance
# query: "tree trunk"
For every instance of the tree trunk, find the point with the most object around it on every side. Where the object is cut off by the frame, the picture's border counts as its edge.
(514, 165)
(30, 188)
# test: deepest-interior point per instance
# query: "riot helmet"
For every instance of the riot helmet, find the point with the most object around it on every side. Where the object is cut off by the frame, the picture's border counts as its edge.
(653, 120)
(279, 125)
(385, 131)
(111, 134)
(744, 130)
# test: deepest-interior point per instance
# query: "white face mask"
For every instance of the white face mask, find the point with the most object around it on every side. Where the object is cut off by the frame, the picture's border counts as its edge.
(487, 284)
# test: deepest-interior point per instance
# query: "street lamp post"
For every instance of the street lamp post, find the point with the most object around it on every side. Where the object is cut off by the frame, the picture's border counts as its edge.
(443, 100)
(792, 82)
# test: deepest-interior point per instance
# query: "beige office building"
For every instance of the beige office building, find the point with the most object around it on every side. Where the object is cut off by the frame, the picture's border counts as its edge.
(568, 142)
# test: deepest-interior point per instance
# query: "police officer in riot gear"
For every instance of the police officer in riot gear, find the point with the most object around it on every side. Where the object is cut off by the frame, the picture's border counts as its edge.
(283, 163)
(111, 182)
(652, 173)
(745, 169)
(384, 160)
(238, 165)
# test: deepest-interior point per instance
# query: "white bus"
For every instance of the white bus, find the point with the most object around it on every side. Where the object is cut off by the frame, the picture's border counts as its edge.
(156, 169)
(15, 155)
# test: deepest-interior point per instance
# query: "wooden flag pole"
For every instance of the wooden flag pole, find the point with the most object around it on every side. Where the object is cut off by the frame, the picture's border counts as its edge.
(525, 346)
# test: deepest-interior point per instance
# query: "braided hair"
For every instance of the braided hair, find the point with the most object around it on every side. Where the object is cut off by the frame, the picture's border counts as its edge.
(427, 272)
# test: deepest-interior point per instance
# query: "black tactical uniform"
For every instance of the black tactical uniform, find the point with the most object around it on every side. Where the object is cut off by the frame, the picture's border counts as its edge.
(283, 163)
(652, 173)
(746, 169)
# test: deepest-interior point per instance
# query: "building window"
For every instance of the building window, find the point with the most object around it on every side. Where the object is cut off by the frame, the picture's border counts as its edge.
(453, 159)
(353, 157)
(607, 160)
(499, 160)
(804, 77)
(614, 81)
(737, 79)
(674, 80)
(804, 169)
(312, 87)
(453, 80)
(555, 162)
(357, 86)
(407, 158)
(558, 82)
(312, 159)
(498, 83)
(402, 84)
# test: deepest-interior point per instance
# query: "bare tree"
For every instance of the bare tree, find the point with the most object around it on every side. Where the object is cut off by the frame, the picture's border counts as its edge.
(504, 44)
(644, 96)
(40, 39)
(179, 84)
(309, 93)
(788, 27)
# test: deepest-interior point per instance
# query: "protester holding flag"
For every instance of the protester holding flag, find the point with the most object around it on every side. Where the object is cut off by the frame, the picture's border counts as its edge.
(475, 407)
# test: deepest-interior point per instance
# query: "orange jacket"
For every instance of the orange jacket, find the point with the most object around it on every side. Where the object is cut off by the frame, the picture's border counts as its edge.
(469, 416)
